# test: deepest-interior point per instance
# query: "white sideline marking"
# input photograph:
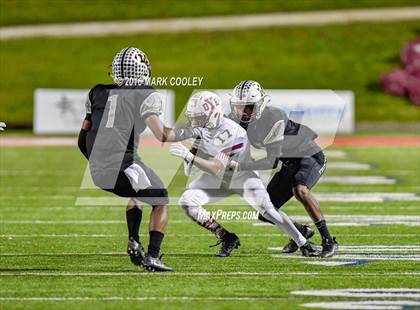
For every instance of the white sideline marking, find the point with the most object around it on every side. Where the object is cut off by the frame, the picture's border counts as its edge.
(256, 235)
(370, 248)
(365, 305)
(344, 165)
(363, 292)
(210, 23)
(234, 201)
(118, 298)
(206, 274)
(368, 180)
(402, 257)
(367, 197)
(335, 153)
(357, 219)
(329, 263)
(360, 220)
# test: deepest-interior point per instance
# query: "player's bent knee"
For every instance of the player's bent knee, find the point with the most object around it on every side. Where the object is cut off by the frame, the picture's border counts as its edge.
(301, 191)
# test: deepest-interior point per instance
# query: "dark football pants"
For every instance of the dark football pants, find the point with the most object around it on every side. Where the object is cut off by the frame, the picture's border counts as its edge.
(306, 171)
(155, 195)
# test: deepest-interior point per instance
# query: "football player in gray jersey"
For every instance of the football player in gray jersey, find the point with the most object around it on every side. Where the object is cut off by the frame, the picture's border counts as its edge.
(116, 115)
(303, 161)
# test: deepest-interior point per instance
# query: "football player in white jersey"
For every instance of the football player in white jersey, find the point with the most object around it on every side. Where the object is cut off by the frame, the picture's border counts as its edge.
(222, 142)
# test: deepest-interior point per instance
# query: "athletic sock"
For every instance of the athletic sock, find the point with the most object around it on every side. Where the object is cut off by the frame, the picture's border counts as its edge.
(134, 216)
(323, 229)
(215, 228)
(156, 238)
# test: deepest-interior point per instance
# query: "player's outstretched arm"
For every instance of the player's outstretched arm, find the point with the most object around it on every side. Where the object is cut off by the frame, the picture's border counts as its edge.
(215, 166)
(165, 134)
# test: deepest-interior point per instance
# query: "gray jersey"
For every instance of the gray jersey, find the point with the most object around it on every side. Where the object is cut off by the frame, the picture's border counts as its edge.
(118, 118)
(280, 136)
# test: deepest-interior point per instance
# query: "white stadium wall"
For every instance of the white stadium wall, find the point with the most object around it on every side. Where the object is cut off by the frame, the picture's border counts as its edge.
(61, 111)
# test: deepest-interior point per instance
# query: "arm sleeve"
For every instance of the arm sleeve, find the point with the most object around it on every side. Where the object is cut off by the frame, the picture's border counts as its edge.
(82, 143)
(153, 104)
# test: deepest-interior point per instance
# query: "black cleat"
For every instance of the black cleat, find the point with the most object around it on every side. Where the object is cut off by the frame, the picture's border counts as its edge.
(136, 252)
(153, 264)
(292, 247)
(309, 250)
(329, 247)
(229, 243)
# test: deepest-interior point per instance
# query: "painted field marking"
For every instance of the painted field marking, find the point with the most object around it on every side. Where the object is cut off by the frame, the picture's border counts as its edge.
(355, 180)
(122, 298)
(370, 248)
(366, 305)
(398, 298)
(360, 220)
(363, 292)
(348, 165)
(206, 274)
(339, 197)
(330, 263)
(115, 201)
(401, 257)
(357, 219)
(335, 153)
(256, 235)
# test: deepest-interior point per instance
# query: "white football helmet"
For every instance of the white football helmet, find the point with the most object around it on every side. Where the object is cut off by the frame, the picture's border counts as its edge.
(248, 101)
(131, 67)
(204, 109)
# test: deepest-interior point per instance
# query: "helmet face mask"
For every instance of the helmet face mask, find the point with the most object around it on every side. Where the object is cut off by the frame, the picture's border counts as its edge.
(131, 67)
(198, 121)
(248, 101)
(204, 109)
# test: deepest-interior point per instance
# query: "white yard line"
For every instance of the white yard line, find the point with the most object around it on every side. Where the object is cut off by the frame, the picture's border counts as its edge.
(207, 274)
(388, 257)
(212, 23)
(344, 165)
(205, 235)
(358, 180)
(363, 292)
(366, 305)
(371, 248)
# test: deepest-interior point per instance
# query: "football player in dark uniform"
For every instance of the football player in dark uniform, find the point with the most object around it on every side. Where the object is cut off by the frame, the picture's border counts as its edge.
(116, 115)
(303, 161)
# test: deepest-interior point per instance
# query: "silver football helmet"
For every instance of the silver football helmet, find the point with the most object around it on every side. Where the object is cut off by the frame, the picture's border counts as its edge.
(131, 67)
(248, 101)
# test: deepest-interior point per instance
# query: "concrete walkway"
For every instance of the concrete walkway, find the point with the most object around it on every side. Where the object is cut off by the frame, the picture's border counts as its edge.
(212, 23)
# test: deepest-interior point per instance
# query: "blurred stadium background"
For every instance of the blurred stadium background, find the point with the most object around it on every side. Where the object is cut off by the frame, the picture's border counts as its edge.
(62, 254)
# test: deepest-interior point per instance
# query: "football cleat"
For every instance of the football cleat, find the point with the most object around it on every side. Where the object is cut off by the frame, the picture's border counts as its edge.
(292, 247)
(309, 250)
(229, 243)
(136, 252)
(153, 264)
(329, 247)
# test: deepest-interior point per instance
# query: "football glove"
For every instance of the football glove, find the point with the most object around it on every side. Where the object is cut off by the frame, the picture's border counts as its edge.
(179, 150)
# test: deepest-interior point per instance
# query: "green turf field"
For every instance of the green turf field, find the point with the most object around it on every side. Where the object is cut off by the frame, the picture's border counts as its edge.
(341, 57)
(15, 12)
(56, 254)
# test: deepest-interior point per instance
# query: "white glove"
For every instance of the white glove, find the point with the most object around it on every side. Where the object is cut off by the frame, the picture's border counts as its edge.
(179, 150)
(2, 126)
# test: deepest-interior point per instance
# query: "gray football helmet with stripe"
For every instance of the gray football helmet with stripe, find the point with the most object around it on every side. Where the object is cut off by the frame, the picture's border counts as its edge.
(248, 101)
(131, 67)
